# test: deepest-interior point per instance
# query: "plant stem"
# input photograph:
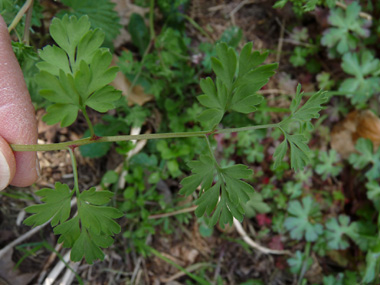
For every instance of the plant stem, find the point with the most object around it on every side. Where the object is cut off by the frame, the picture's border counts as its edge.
(19, 15)
(64, 145)
(211, 151)
(28, 20)
(75, 170)
(146, 52)
(304, 264)
(90, 126)
(151, 20)
(196, 26)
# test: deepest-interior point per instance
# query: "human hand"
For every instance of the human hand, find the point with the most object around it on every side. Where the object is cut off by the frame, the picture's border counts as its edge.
(17, 120)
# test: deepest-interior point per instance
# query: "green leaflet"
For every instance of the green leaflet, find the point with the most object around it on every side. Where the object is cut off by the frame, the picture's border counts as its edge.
(101, 13)
(299, 151)
(226, 198)
(238, 78)
(75, 74)
(89, 231)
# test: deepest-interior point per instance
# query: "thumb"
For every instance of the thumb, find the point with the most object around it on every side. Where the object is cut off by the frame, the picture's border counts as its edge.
(7, 164)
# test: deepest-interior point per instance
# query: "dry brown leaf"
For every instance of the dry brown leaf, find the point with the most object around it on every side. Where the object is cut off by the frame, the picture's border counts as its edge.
(134, 96)
(357, 124)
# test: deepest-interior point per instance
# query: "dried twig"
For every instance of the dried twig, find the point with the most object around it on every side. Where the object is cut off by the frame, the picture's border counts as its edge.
(255, 245)
(363, 15)
(164, 215)
(50, 279)
(280, 41)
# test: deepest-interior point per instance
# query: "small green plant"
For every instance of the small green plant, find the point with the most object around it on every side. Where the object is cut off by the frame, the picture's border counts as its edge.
(366, 71)
(347, 29)
(366, 156)
(300, 224)
(328, 164)
(75, 74)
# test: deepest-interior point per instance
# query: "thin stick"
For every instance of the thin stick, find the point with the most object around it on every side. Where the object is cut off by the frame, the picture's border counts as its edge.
(28, 20)
(280, 41)
(21, 238)
(255, 245)
(164, 215)
(57, 270)
(19, 15)
(361, 14)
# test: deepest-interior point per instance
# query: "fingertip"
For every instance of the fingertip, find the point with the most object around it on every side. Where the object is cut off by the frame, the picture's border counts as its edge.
(7, 164)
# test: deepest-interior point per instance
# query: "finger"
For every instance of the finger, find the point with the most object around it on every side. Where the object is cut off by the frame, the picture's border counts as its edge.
(7, 164)
(17, 121)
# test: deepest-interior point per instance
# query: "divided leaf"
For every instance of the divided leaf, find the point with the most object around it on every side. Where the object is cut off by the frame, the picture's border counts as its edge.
(75, 74)
(101, 13)
(299, 151)
(56, 206)
(234, 90)
(223, 200)
(85, 233)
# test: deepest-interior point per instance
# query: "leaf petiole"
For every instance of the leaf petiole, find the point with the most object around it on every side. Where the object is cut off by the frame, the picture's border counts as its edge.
(75, 170)
(64, 145)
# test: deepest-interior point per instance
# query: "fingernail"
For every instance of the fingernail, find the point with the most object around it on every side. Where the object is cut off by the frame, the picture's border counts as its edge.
(5, 172)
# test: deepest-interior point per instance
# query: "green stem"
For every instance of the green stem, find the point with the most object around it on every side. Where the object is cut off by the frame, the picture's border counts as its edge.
(89, 123)
(305, 265)
(75, 171)
(64, 145)
(146, 52)
(28, 20)
(196, 26)
(151, 20)
(19, 15)
(211, 151)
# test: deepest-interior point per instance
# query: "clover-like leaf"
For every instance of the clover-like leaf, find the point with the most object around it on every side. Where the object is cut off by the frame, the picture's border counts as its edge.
(301, 222)
(347, 28)
(366, 156)
(336, 232)
(366, 81)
